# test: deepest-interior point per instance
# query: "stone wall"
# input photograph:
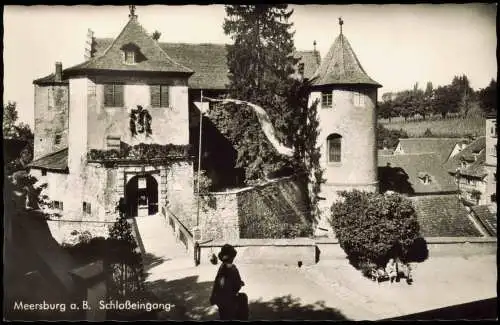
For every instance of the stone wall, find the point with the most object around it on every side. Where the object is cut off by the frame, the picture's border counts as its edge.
(219, 216)
(283, 200)
(179, 198)
(51, 119)
(224, 215)
(265, 251)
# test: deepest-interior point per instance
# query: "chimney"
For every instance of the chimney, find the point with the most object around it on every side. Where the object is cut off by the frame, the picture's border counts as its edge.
(58, 74)
(89, 45)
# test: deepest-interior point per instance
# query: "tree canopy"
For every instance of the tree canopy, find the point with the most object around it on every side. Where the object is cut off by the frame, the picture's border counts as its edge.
(371, 228)
(261, 65)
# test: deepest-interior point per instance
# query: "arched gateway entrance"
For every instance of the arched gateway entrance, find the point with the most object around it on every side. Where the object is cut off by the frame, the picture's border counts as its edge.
(141, 196)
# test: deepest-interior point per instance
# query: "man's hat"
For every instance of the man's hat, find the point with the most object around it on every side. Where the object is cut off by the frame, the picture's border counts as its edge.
(227, 252)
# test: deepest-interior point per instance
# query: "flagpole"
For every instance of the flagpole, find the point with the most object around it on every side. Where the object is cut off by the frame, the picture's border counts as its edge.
(199, 160)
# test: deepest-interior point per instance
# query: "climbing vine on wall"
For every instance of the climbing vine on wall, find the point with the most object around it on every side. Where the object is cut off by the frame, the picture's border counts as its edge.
(140, 151)
(140, 121)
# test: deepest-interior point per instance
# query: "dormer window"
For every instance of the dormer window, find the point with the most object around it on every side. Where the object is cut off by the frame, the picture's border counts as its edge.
(131, 54)
(129, 57)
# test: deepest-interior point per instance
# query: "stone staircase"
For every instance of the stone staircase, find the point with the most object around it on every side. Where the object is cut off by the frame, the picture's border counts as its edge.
(158, 242)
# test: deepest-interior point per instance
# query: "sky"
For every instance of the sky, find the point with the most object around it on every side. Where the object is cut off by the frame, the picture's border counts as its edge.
(397, 45)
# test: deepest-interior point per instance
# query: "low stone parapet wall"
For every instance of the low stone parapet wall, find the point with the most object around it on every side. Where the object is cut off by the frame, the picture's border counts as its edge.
(265, 251)
(330, 249)
(461, 246)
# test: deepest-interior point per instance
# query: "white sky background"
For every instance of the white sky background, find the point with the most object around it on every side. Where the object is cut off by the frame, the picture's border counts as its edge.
(397, 45)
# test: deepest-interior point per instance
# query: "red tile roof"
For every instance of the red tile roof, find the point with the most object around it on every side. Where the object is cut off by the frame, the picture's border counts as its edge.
(443, 147)
(443, 216)
(487, 217)
(208, 61)
(56, 161)
(475, 153)
(416, 166)
(341, 66)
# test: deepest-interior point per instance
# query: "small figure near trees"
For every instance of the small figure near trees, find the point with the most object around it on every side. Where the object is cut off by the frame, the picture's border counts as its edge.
(391, 270)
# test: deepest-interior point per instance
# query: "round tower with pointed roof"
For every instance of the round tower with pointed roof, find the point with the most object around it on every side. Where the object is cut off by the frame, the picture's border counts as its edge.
(347, 120)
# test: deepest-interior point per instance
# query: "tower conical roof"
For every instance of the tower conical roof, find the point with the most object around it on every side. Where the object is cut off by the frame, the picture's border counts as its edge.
(341, 66)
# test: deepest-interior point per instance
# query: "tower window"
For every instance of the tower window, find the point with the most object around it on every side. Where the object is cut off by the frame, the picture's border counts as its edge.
(44, 172)
(159, 96)
(334, 147)
(113, 95)
(359, 99)
(326, 99)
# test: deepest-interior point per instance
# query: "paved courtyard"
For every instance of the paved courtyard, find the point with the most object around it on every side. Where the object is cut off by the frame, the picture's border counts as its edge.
(329, 290)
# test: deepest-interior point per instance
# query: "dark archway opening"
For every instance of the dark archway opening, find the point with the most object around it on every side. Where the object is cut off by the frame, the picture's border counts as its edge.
(141, 196)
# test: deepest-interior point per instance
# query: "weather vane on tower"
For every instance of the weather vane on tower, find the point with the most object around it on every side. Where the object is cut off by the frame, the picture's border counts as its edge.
(132, 11)
(341, 22)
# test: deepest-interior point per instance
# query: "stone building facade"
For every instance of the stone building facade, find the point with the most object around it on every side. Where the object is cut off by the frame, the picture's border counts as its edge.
(119, 128)
(491, 158)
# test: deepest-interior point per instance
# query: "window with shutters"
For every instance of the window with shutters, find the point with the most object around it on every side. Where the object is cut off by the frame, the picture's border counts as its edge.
(334, 147)
(113, 142)
(113, 95)
(159, 96)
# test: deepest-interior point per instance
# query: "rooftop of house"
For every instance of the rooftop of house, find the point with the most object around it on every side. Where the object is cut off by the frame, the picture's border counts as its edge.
(425, 173)
(56, 161)
(443, 216)
(442, 147)
(341, 67)
(488, 217)
(474, 155)
(207, 62)
(385, 152)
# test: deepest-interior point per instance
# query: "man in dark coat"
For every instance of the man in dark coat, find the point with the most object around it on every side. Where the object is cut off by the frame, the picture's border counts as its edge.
(227, 284)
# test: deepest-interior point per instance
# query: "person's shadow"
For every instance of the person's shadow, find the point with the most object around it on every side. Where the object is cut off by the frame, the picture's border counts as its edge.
(191, 300)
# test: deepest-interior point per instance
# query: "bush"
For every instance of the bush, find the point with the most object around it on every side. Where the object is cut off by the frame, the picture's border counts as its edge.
(371, 228)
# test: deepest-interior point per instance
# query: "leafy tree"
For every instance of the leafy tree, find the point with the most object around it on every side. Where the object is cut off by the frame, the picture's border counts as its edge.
(488, 97)
(260, 65)
(156, 35)
(10, 117)
(21, 134)
(429, 89)
(371, 228)
(442, 102)
(125, 262)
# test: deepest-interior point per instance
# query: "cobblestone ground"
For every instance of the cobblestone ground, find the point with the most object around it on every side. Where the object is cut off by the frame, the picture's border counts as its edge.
(331, 290)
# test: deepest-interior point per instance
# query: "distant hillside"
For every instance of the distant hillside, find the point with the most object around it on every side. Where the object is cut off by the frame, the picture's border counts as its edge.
(454, 127)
